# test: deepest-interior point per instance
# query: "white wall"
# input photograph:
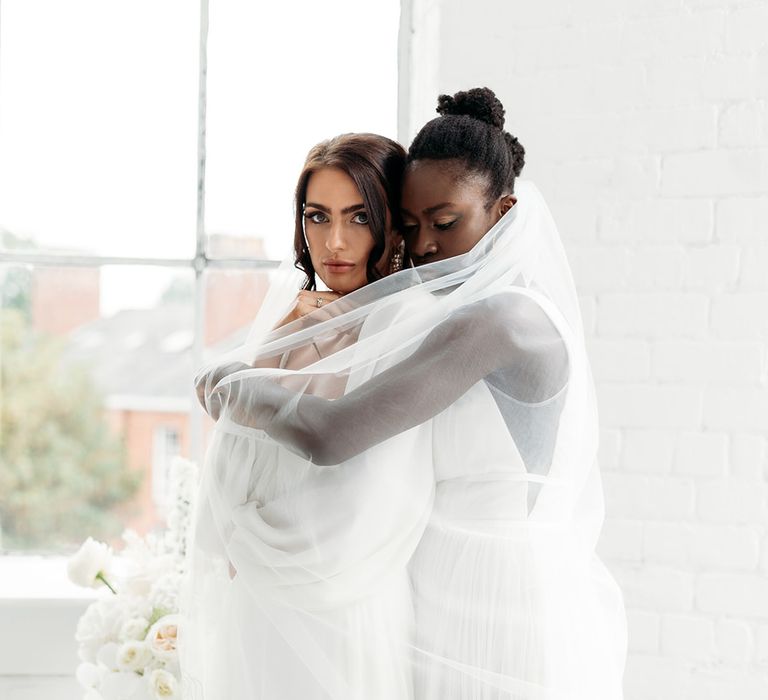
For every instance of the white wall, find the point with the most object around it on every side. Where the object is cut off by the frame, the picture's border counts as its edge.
(38, 652)
(646, 128)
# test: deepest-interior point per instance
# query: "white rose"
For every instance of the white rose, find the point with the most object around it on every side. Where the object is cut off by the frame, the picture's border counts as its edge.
(93, 694)
(162, 637)
(135, 628)
(88, 675)
(164, 685)
(93, 559)
(133, 656)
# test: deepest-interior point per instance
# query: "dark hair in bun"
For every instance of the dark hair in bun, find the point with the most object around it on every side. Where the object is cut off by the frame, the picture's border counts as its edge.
(471, 129)
(480, 103)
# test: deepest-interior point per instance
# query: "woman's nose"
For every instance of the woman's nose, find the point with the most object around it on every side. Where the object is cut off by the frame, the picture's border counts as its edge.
(421, 245)
(336, 237)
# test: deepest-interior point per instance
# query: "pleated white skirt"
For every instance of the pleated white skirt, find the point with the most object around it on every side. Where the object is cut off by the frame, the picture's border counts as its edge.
(508, 610)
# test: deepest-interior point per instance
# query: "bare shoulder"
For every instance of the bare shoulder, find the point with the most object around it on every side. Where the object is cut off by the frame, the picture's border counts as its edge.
(509, 316)
(538, 362)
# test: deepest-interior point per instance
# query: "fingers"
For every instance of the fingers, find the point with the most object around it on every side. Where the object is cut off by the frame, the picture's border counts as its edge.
(213, 402)
(311, 298)
(307, 301)
(225, 370)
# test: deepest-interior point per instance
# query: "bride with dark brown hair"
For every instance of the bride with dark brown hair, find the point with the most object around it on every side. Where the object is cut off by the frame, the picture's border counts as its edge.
(453, 428)
(273, 633)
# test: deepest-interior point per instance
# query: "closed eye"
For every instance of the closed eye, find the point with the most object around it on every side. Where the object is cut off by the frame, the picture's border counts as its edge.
(445, 226)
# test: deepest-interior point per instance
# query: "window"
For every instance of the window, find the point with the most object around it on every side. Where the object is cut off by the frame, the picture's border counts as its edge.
(166, 445)
(148, 154)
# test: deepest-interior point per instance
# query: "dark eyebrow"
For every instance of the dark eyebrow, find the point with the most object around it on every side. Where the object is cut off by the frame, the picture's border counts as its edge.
(431, 210)
(443, 205)
(345, 210)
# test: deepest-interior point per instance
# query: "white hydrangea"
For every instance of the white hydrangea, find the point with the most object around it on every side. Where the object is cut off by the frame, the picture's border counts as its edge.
(122, 656)
(134, 628)
(101, 623)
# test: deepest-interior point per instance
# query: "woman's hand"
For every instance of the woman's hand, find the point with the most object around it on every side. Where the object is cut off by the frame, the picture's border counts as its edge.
(215, 376)
(306, 303)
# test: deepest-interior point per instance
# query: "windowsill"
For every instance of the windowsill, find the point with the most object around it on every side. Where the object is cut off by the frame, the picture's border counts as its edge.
(39, 612)
(28, 577)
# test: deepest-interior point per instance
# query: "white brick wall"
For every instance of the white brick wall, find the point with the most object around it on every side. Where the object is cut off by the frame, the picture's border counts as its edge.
(646, 128)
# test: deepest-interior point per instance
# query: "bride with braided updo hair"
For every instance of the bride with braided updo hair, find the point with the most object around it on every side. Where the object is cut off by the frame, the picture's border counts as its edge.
(453, 433)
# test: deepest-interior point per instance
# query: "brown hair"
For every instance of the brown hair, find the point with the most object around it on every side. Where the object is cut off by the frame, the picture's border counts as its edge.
(375, 164)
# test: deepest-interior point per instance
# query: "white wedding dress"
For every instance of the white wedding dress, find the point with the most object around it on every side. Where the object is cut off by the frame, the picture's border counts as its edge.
(510, 603)
(321, 606)
(430, 532)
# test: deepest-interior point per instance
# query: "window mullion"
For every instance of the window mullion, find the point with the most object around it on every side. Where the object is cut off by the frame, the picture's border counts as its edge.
(201, 260)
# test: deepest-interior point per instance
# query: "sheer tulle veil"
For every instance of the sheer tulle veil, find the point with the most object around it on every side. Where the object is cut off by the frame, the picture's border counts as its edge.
(396, 534)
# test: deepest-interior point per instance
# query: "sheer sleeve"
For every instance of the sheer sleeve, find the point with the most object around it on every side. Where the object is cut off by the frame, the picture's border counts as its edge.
(507, 335)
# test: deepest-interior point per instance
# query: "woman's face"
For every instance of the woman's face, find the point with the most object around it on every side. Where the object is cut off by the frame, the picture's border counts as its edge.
(445, 214)
(338, 235)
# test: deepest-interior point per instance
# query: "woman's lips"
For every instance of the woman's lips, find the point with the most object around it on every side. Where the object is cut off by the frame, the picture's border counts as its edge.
(338, 266)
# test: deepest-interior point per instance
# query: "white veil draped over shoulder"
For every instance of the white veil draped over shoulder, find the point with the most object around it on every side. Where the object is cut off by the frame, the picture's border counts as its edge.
(401, 496)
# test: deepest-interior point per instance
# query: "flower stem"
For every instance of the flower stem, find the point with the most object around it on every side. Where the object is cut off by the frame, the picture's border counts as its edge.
(100, 577)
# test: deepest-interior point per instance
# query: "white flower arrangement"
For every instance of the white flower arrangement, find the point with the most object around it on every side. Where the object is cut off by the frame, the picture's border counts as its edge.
(128, 638)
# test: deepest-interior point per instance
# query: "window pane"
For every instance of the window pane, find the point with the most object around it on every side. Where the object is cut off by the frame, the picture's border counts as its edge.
(166, 444)
(95, 380)
(98, 126)
(278, 83)
(232, 300)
